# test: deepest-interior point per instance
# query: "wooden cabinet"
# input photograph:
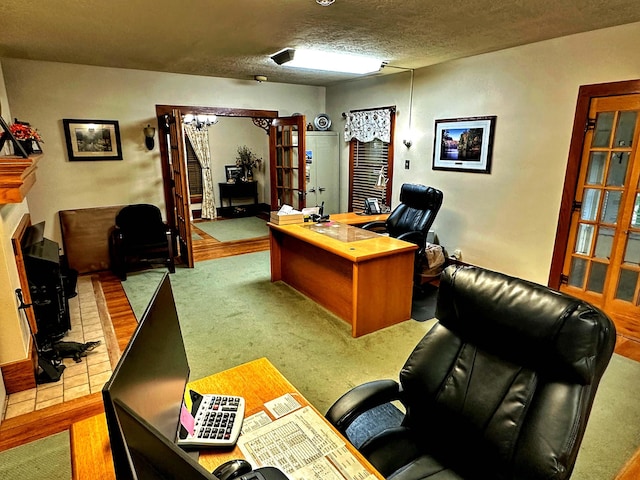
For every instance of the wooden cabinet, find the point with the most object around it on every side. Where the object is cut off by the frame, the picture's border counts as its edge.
(323, 170)
(17, 176)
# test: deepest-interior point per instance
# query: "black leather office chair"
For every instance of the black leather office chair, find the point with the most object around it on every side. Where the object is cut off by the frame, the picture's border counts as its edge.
(500, 388)
(412, 219)
(140, 235)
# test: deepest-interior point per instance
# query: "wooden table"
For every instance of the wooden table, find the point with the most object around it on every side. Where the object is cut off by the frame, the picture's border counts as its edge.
(257, 381)
(238, 190)
(364, 278)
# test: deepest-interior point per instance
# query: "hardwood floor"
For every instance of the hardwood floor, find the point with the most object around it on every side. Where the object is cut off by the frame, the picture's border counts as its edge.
(26, 428)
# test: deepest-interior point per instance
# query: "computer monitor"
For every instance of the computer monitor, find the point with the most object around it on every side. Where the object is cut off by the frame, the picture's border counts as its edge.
(149, 381)
(153, 455)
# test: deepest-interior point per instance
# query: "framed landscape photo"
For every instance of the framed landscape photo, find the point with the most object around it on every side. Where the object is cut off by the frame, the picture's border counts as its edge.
(92, 139)
(464, 144)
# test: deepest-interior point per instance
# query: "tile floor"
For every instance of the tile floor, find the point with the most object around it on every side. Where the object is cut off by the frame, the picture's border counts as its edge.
(78, 379)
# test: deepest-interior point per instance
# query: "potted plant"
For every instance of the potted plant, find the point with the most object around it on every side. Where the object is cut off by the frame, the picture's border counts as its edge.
(25, 134)
(248, 160)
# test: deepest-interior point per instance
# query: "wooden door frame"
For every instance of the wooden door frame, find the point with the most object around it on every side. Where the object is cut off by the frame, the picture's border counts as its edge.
(585, 94)
(261, 118)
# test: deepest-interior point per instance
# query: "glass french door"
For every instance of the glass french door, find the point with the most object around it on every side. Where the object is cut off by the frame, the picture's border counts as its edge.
(287, 162)
(602, 262)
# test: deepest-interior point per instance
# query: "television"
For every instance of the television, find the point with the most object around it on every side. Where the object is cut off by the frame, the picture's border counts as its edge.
(144, 395)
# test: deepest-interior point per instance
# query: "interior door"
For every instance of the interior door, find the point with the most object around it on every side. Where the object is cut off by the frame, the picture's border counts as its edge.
(287, 162)
(180, 189)
(602, 261)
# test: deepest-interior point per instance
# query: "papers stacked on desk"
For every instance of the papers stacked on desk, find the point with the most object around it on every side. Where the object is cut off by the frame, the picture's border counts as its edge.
(299, 443)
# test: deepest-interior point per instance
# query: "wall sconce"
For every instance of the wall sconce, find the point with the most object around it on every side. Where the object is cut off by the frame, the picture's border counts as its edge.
(149, 133)
(408, 141)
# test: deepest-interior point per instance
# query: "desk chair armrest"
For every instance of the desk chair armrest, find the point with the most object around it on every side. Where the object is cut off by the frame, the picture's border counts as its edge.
(415, 236)
(360, 399)
(377, 226)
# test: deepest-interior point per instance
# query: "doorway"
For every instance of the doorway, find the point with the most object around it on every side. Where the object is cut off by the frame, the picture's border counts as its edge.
(597, 250)
(174, 164)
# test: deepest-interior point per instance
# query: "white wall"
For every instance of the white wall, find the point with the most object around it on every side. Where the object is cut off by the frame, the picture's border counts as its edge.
(506, 220)
(43, 93)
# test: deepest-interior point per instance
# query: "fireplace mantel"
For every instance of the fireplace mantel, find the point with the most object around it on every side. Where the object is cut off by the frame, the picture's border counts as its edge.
(17, 176)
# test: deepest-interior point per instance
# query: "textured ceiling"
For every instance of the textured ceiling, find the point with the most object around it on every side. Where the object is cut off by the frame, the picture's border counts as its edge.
(234, 38)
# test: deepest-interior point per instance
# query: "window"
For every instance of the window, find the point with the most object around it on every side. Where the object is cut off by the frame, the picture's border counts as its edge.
(194, 172)
(369, 156)
(367, 160)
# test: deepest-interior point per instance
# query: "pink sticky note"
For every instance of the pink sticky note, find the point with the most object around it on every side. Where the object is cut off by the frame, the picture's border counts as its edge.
(187, 420)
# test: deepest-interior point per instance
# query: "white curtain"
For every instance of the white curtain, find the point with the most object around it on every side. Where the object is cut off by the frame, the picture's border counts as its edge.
(367, 125)
(199, 139)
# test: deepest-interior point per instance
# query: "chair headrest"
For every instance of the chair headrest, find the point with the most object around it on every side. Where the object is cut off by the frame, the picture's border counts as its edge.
(420, 197)
(524, 322)
(139, 216)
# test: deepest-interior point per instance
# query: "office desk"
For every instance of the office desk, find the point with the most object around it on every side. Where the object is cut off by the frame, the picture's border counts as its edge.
(257, 381)
(356, 219)
(364, 278)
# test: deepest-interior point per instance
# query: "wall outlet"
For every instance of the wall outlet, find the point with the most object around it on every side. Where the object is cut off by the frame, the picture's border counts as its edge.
(406, 164)
(457, 253)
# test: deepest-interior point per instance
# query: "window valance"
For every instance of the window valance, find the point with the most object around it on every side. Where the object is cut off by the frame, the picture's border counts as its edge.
(367, 125)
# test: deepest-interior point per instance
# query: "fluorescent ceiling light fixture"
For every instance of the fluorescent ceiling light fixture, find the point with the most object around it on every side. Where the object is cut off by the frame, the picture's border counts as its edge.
(329, 61)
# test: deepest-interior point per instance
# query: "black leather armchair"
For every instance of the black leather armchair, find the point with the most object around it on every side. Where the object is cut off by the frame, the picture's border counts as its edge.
(412, 218)
(500, 388)
(140, 235)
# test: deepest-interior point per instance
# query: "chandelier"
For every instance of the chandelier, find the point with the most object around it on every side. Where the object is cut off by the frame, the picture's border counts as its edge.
(325, 3)
(200, 121)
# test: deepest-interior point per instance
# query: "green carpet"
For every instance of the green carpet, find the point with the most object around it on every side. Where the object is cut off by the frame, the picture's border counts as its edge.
(45, 459)
(235, 228)
(231, 313)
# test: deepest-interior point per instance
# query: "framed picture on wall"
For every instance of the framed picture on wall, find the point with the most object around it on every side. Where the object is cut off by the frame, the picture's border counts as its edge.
(92, 139)
(464, 144)
(233, 172)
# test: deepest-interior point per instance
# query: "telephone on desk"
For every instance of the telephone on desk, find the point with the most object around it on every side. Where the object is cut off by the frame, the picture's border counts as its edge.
(320, 216)
(372, 207)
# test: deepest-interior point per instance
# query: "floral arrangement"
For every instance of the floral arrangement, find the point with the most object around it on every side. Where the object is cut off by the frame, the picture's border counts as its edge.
(23, 131)
(247, 159)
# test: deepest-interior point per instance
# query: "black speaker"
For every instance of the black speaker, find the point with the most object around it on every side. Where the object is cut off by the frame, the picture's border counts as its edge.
(283, 56)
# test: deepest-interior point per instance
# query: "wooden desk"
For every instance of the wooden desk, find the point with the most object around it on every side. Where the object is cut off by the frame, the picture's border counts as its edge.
(364, 278)
(257, 381)
(352, 218)
(91, 450)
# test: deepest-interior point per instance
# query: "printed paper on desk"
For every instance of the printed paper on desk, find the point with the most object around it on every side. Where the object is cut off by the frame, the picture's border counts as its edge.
(303, 446)
(281, 406)
(285, 210)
